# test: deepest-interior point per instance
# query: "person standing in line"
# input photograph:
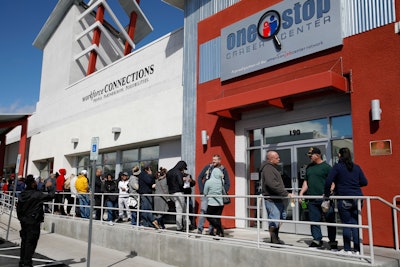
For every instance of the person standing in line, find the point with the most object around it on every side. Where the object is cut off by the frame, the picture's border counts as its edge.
(348, 178)
(201, 180)
(69, 201)
(273, 188)
(60, 180)
(133, 191)
(52, 178)
(82, 187)
(111, 199)
(30, 213)
(188, 184)
(215, 204)
(161, 202)
(146, 186)
(98, 189)
(123, 190)
(74, 194)
(175, 188)
(314, 182)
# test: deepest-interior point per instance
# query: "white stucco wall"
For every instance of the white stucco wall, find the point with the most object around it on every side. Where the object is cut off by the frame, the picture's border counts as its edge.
(148, 112)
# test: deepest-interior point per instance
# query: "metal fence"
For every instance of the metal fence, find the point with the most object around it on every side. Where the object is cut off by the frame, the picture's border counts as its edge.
(7, 200)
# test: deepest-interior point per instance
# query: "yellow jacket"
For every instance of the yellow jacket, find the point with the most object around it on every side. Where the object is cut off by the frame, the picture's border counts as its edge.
(81, 184)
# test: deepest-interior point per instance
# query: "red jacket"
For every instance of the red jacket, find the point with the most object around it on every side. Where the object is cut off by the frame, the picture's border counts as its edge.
(61, 180)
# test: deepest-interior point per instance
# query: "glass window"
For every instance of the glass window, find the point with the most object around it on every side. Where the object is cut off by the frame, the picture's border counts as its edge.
(130, 155)
(109, 158)
(83, 161)
(255, 137)
(338, 144)
(341, 126)
(313, 129)
(149, 152)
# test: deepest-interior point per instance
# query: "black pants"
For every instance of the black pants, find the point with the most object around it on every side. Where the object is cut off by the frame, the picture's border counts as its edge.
(29, 238)
(215, 222)
(97, 202)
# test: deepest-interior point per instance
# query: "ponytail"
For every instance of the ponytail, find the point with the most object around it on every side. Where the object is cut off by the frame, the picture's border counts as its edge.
(345, 156)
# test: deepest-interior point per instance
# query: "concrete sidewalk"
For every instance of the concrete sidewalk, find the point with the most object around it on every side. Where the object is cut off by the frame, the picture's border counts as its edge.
(73, 252)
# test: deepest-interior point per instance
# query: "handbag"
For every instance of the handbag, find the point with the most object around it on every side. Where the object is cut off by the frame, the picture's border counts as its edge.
(225, 200)
(326, 205)
(132, 202)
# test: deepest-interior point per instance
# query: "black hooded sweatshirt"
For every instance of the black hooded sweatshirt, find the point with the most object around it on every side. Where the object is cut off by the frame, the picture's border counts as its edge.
(30, 205)
(175, 177)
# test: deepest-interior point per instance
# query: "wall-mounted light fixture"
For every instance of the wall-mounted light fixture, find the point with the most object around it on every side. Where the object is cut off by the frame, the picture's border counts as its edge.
(376, 110)
(75, 140)
(116, 130)
(204, 137)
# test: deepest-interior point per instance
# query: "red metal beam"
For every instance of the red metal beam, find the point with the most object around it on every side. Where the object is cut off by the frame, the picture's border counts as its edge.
(131, 30)
(2, 152)
(22, 145)
(96, 41)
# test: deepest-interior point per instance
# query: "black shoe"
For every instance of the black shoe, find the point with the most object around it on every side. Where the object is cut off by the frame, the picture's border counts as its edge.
(119, 220)
(333, 245)
(315, 244)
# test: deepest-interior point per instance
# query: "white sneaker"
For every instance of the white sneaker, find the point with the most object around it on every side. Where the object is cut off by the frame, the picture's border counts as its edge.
(110, 223)
(345, 252)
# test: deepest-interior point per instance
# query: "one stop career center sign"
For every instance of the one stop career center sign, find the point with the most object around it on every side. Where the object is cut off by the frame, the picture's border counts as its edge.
(283, 32)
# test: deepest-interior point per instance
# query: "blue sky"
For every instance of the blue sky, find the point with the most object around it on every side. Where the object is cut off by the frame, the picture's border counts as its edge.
(21, 62)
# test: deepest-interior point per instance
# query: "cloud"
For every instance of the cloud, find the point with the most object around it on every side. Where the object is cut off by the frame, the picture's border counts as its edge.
(18, 108)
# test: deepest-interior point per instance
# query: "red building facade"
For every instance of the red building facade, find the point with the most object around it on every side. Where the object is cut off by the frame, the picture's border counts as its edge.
(335, 83)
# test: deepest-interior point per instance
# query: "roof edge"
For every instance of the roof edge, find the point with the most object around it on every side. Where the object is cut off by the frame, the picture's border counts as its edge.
(54, 20)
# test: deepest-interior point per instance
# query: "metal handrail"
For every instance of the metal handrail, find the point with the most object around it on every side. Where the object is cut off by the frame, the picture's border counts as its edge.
(258, 219)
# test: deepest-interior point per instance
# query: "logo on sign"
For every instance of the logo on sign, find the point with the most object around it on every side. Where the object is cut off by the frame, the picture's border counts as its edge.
(268, 27)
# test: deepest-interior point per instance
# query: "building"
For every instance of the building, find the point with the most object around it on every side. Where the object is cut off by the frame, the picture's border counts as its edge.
(257, 75)
(287, 75)
(131, 101)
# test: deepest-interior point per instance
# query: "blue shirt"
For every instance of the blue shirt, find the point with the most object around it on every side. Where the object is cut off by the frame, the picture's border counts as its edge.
(347, 183)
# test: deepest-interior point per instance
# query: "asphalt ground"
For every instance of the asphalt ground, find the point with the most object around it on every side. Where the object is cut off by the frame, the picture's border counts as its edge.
(9, 256)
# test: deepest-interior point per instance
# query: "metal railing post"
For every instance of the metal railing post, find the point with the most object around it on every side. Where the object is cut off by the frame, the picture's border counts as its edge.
(360, 230)
(396, 226)
(371, 239)
(259, 199)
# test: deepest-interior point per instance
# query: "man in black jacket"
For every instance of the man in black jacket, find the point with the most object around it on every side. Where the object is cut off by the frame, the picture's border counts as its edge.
(175, 188)
(30, 214)
(98, 189)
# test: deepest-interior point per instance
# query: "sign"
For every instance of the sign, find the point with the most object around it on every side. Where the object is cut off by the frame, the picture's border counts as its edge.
(283, 32)
(18, 162)
(254, 176)
(94, 148)
(380, 147)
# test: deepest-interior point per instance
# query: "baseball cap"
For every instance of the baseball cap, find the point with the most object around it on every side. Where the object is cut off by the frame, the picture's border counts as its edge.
(125, 173)
(84, 172)
(314, 150)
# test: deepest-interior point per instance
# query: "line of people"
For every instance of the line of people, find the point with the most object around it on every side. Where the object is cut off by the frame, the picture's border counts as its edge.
(345, 178)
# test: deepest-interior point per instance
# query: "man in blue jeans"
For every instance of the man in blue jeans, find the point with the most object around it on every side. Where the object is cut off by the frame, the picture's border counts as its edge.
(274, 188)
(314, 181)
(201, 180)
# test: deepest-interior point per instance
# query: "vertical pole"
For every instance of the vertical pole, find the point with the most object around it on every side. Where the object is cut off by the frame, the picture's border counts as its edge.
(22, 145)
(259, 200)
(396, 227)
(96, 41)
(13, 195)
(131, 30)
(91, 211)
(2, 152)
(371, 238)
